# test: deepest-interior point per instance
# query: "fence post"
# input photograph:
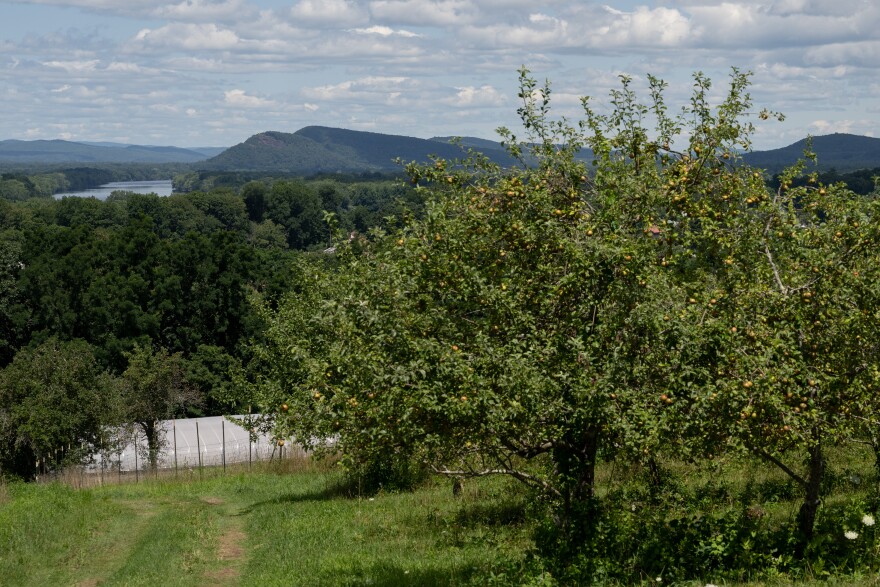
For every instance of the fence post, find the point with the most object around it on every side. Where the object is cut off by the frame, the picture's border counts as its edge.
(250, 458)
(174, 430)
(103, 454)
(199, 450)
(223, 448)
(137, 473)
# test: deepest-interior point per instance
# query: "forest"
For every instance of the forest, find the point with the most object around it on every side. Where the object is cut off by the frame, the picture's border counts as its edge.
(167, 281)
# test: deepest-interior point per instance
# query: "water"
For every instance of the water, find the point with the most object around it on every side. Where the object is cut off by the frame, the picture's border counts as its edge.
(161, 188)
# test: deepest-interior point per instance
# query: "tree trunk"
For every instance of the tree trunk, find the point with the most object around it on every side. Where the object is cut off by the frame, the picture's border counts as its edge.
(151, 432)
(807, 513)
(576, 466)
(875, 444)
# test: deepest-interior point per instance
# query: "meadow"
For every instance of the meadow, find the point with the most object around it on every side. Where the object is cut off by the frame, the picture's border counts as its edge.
(268, 527)
(302, 523)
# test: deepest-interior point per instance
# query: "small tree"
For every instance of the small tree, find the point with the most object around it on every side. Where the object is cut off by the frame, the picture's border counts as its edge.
(155, 388)
(55, 401)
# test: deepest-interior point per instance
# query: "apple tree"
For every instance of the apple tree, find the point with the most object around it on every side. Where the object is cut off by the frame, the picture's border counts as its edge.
(536, 318)
(154, 387)
(782, 291)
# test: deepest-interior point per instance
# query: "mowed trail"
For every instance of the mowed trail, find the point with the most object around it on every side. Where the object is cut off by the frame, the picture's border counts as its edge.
(230, 548)
(187, 542)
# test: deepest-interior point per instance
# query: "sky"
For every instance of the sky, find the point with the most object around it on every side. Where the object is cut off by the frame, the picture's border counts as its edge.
(214, 72)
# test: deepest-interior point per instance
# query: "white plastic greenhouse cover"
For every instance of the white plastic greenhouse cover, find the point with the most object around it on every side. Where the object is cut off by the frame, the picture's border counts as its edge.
(192, 437)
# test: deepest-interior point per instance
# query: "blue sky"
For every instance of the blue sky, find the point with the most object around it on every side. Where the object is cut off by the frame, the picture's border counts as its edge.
(214, 72)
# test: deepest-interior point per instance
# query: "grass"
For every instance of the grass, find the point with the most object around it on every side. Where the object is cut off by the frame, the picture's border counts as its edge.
(299, 526)
(261, 528)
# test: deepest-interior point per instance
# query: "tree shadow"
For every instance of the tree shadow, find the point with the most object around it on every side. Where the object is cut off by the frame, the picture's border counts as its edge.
(337, 490)
(505, 513)
(387, 574)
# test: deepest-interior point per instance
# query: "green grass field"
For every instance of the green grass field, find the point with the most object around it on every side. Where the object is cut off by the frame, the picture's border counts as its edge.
(281, 527)
(259, 528)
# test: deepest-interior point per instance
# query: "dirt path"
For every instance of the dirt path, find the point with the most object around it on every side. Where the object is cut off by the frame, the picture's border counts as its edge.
(230, 545)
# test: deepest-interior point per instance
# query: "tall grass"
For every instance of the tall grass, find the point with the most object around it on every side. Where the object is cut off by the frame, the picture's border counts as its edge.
(297, 522)
(300, 528)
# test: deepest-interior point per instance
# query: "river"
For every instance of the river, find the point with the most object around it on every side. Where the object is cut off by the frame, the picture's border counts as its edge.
(161, 188)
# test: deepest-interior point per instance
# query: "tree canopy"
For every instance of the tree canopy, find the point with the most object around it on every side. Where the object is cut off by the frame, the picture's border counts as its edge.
(542, 317)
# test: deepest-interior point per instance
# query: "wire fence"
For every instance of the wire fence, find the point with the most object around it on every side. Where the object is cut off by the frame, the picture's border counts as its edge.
(184, 446)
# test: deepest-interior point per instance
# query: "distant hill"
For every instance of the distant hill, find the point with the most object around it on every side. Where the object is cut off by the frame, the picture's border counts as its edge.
(840, 151)
(321, 149)
(496, 152)
(57, 151)
(207, 151)
(282, 152)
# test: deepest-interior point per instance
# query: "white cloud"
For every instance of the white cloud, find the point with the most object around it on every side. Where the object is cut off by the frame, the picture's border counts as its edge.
(443, 13)
(329, 12)
(165, 108)
(367, 88)
(470, 96)
(124, 66)
(862, 54)
(189, 36)
(310, 107)
(660, 27)
(73, 66)
(239, 99)
(200, 10)
(384, 31)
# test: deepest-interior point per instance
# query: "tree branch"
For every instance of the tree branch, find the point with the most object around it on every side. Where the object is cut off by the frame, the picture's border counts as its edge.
(519, 475)
(769, 457)
(782, 287)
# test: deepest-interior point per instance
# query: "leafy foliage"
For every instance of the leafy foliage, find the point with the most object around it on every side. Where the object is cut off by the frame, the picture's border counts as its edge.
(55, 400)
(537, 320)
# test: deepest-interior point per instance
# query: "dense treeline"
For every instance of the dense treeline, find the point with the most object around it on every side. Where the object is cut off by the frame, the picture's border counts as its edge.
(23, 182)
(143, 288)
(862, 182)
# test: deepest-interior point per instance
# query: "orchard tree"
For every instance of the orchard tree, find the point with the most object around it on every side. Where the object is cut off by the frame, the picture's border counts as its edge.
(782, 307)
(510, 331)
(539, 318)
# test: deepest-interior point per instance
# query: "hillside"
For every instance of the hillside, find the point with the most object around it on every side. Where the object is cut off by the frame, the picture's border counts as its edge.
(319, 149)
(58, 151)
(376, 149)
(278, 151)
(498, 153)
(839, 151)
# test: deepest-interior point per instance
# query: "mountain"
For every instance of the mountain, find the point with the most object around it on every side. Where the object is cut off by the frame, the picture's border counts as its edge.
(839, 151)
(498, 153)
(207, 151)
(58, 151)
(317, 149)
(279, 151)
(321, 149)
